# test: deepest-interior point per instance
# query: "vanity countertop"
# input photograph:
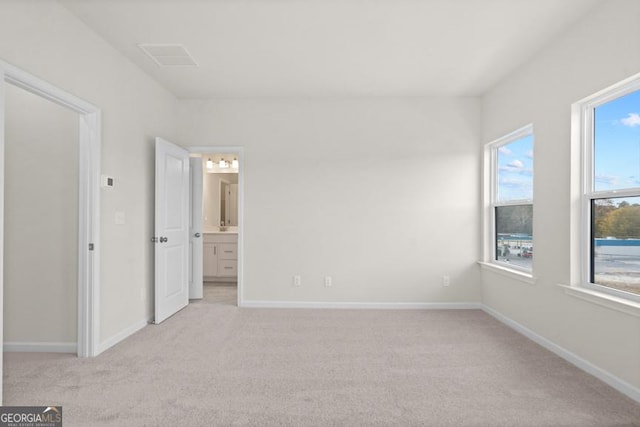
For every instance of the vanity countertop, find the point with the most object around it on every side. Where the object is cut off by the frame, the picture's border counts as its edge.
(233, 230)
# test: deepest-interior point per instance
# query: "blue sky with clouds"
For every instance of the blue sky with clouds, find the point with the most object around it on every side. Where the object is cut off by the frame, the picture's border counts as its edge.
(617, 144)
(515, 170)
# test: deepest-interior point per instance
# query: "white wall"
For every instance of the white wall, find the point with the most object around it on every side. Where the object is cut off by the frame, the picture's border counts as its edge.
(601, 50)
(41, 196)
(380, 193)
(46, 40)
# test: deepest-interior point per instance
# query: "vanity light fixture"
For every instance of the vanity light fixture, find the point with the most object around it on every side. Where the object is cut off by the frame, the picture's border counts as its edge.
(209, 163)
(222, 164)
(234, 163)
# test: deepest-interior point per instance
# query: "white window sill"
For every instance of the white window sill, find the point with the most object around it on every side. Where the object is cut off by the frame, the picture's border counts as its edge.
(605, 300)
(508, 272)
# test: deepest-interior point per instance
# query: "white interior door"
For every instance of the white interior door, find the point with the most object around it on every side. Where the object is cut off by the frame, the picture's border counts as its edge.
(195, 230)
(171, 230)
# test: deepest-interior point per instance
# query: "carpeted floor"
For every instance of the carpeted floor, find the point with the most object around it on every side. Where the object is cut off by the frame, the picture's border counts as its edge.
(213, 364)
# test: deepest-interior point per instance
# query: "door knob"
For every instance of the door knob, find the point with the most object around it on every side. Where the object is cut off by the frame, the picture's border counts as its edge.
(196, 235)
(164, 239)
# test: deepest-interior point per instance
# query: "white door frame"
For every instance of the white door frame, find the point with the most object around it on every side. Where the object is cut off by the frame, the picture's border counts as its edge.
(239, 152)
(196, 237)
(88, 200)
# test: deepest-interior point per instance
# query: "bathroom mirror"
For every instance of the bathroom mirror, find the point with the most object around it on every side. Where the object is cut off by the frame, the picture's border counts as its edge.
(228, 203)
(220, 195)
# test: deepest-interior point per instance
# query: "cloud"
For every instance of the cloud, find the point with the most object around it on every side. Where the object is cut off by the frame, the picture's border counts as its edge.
(633, 180)
(514, 183)
(509, 170)
(530, 154)
(516, 164)
(606, 179)
(632, 121)
(515, 189)
(504, 150)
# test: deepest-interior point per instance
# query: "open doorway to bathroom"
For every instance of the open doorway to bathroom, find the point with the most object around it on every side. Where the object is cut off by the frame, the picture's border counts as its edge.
(220, 228)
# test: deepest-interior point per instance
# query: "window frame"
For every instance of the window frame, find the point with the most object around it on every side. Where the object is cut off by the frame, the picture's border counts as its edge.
(492, 150)
(587, 185)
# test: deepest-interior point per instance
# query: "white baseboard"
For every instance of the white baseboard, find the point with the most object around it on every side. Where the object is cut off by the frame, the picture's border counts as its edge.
(615, 382)
(122, 335)
(41, 347)
(364, 305)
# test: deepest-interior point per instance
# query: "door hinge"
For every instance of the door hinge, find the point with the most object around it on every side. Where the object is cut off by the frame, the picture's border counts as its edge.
(91, 246)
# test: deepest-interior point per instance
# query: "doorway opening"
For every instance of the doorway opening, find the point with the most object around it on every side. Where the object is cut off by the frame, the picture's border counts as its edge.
(217, 216)
(41, 224)
(87, 220)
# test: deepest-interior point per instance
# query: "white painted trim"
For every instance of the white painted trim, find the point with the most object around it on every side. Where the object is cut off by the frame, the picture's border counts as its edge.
(40, 347)
(239, 151)
(364, 305)
(508, 272)
(2, 149)
(89, 221)
(41, 88)
(122, 335)
(615, 382)
(490, 190)
(583, 189)
(602, 299)
(89, 148)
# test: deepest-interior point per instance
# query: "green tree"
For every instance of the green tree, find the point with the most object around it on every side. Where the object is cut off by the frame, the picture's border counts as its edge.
(601, 211)
(622, 222)
(625, 222)
(514, 219)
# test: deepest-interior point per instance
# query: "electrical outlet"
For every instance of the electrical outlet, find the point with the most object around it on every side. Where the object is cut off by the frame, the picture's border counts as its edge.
(328, 282)
(297, 280)
(446, 280)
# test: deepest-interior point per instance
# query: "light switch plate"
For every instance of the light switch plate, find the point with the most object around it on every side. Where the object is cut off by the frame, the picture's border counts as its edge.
(119, 218)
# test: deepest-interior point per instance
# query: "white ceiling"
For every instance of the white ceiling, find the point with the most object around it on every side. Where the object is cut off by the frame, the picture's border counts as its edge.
(288, 48)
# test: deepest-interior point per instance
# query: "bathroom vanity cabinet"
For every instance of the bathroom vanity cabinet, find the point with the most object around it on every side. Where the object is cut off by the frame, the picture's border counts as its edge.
(220, 256)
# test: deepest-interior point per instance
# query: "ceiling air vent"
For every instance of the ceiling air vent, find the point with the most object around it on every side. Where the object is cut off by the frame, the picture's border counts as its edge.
(168, 55)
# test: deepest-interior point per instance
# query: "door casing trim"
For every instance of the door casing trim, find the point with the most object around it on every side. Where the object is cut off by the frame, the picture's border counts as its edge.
(88, 273)
(239, 152)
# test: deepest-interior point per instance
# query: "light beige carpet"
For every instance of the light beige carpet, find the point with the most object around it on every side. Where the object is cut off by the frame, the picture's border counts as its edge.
(217, 365)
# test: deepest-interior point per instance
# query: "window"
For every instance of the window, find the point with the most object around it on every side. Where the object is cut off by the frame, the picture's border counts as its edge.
(512, 200)
(611, 196)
